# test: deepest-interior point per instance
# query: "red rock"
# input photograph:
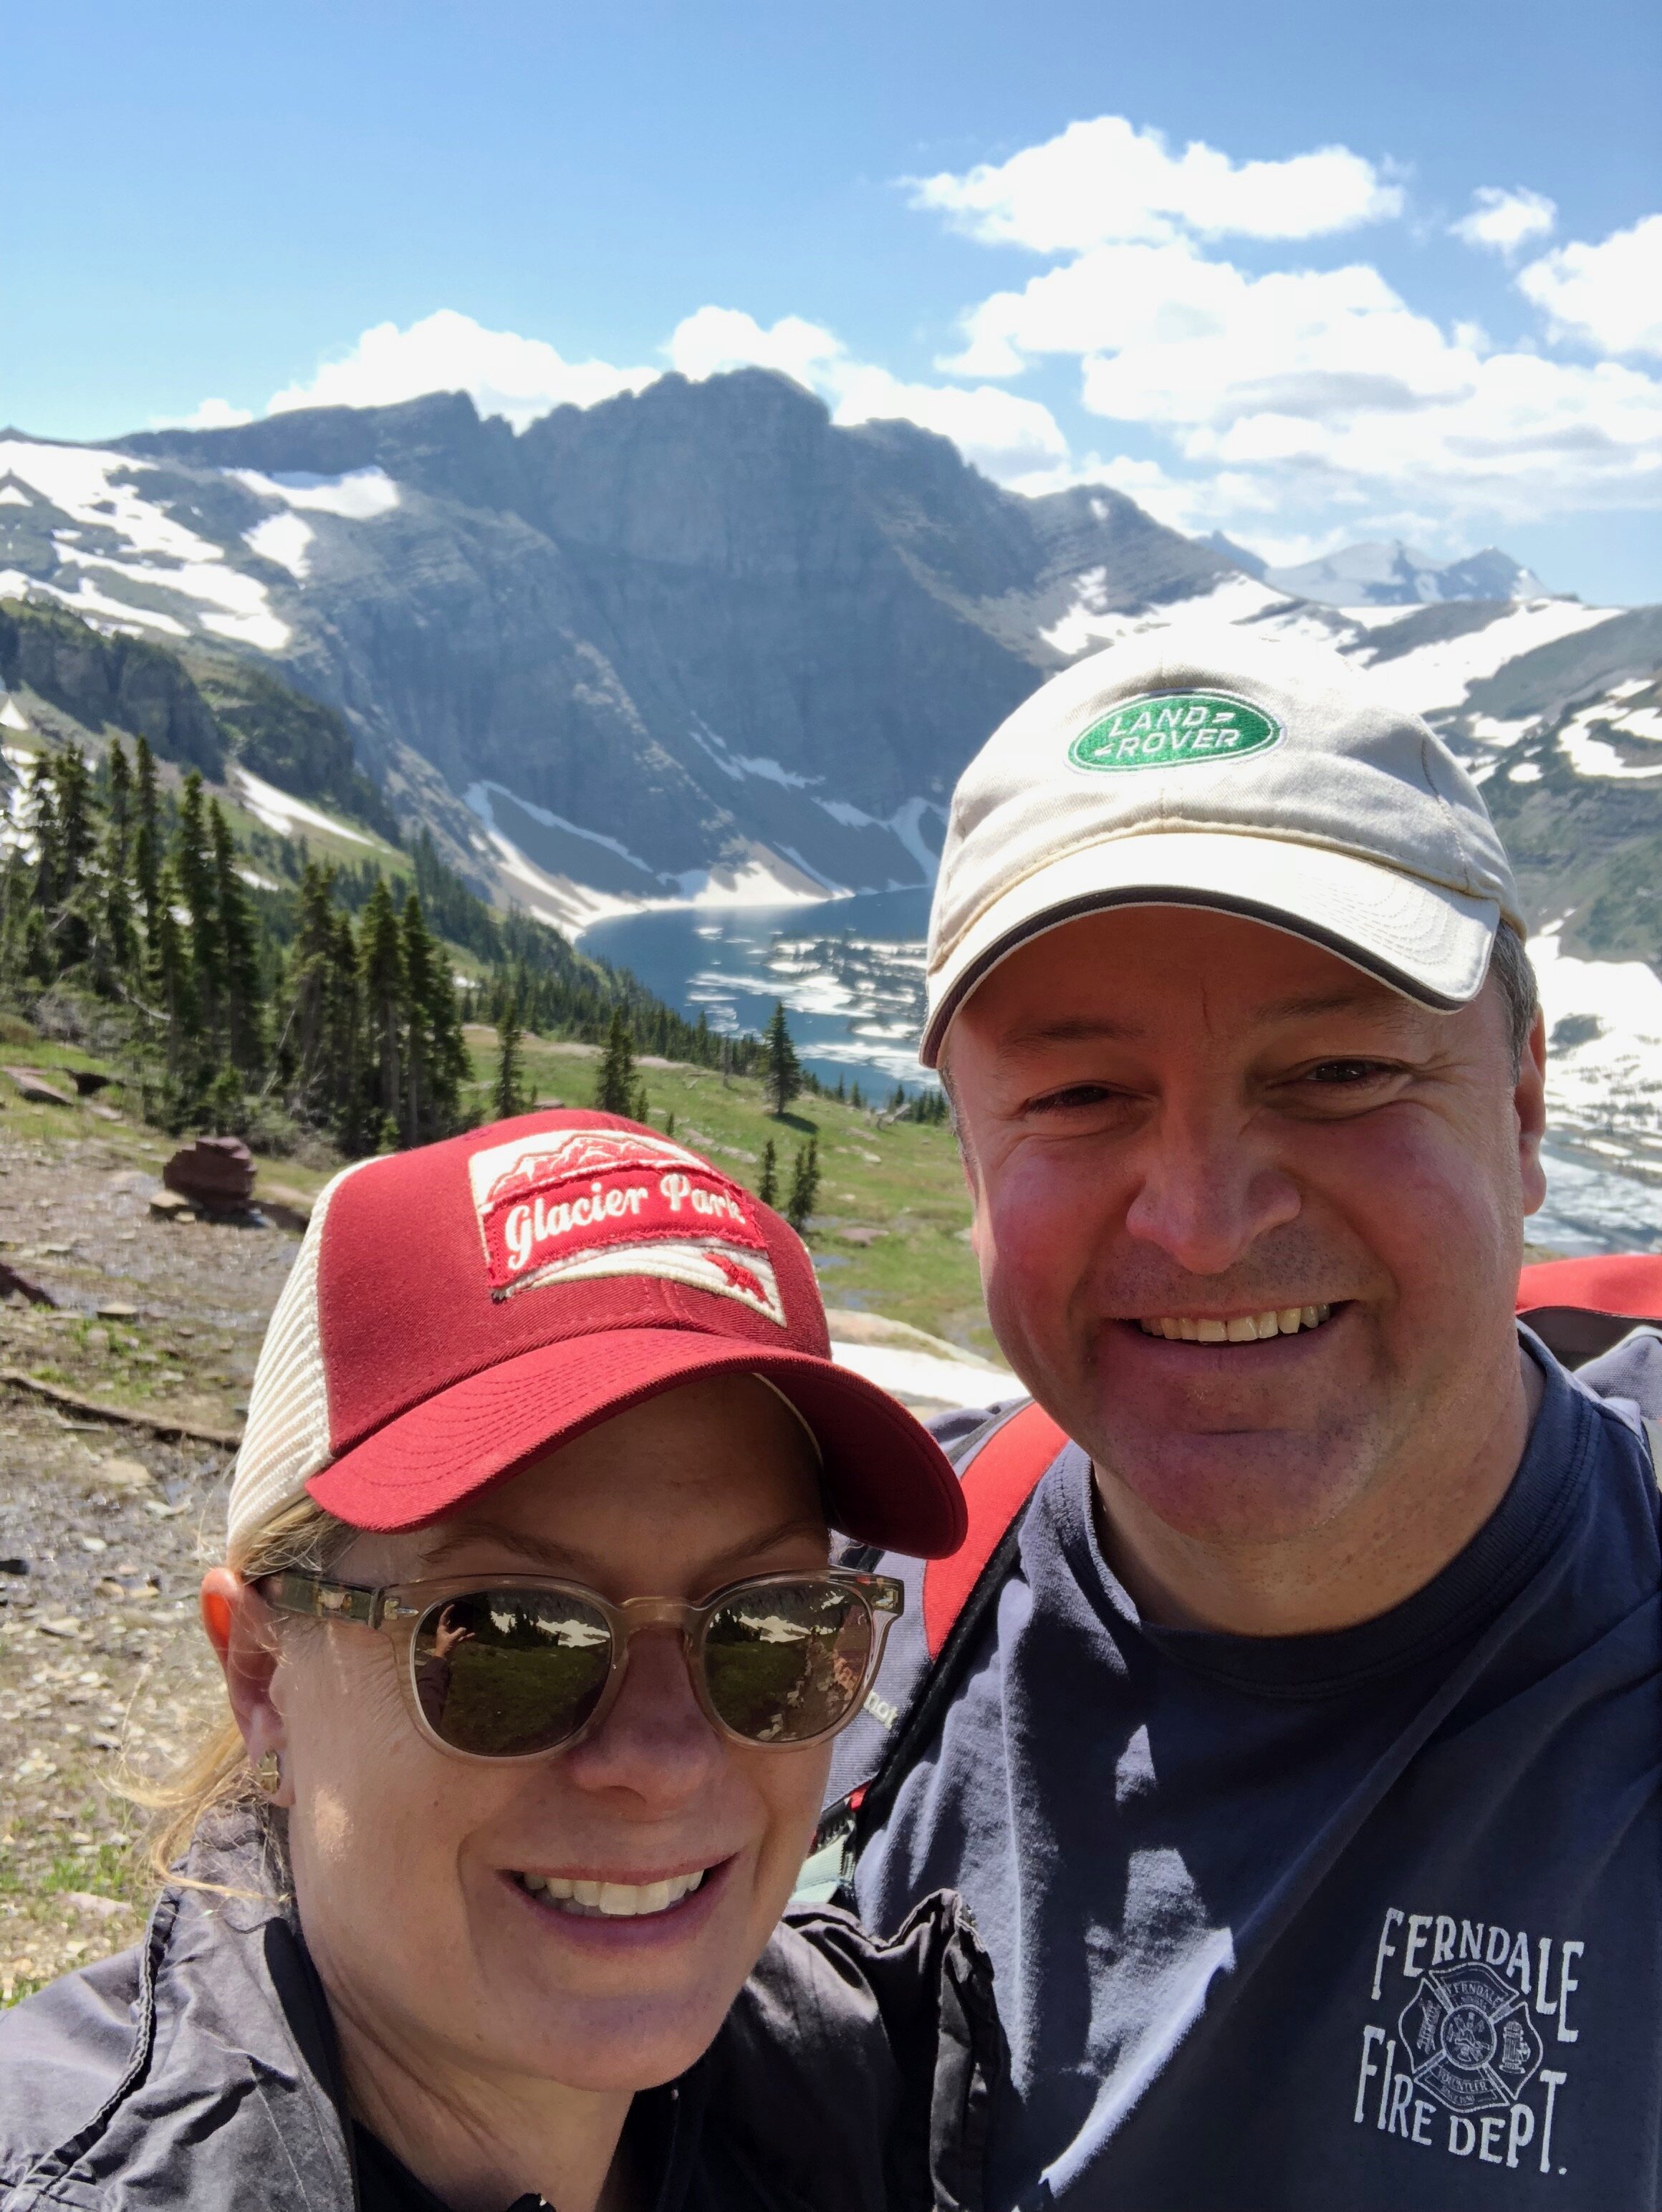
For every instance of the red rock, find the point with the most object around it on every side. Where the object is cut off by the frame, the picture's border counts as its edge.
(214, 1173)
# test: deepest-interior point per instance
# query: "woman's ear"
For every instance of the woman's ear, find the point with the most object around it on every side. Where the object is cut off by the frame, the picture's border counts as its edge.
(240, 1629)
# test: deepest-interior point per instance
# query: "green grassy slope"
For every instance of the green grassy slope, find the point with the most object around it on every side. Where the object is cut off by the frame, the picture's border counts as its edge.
(890, 1233)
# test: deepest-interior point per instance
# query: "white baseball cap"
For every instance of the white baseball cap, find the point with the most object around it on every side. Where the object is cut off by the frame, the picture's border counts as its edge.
(1206, 767)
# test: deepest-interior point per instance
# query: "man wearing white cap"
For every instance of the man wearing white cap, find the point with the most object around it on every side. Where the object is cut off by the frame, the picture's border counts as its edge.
(1298, 1748)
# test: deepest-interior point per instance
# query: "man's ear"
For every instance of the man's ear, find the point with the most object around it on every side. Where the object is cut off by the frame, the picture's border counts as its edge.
(241, 1628)
(1529, 1103)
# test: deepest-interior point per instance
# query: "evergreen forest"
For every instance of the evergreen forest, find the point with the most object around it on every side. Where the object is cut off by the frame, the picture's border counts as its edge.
(260, 990)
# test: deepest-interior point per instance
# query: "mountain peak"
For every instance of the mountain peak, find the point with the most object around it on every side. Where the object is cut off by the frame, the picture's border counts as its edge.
(1388, 573)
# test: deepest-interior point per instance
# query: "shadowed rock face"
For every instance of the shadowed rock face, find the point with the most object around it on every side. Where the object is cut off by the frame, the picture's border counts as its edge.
(118, 682)
(700, 624)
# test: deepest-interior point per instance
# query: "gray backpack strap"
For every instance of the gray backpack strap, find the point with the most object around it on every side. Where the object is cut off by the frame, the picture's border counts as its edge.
(1654, 1438)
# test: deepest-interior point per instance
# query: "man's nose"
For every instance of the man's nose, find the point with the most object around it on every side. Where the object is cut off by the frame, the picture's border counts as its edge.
(1206, 1193)
(655, 1743)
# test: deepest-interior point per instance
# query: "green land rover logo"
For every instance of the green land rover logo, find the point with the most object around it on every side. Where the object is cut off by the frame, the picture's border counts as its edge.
(1170, 729)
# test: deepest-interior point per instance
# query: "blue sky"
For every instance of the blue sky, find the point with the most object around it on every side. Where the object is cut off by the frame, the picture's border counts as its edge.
(1410, 281)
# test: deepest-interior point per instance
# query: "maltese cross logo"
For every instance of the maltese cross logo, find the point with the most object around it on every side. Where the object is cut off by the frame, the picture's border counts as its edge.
(1469, 2038)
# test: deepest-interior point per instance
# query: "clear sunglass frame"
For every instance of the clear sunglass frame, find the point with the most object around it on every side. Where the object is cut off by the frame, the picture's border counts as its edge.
(398, 1609)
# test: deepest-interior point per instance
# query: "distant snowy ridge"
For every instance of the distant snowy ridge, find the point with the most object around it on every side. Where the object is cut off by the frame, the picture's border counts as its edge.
(1388, 573)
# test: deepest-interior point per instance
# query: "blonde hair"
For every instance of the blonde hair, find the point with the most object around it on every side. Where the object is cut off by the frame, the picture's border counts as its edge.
(216, 1776)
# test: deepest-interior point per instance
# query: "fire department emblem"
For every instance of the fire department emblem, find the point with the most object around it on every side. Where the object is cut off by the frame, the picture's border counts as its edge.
(1469, 2038)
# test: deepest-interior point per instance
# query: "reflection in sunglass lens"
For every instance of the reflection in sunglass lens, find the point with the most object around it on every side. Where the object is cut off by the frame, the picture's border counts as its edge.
(504, 1674)
(783, 1662)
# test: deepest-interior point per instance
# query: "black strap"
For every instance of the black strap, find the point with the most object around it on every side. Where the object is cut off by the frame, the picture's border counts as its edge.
(937, 1690)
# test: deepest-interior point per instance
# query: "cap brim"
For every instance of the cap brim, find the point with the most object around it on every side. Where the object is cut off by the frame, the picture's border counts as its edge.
(887, 1482)
(1424, 939)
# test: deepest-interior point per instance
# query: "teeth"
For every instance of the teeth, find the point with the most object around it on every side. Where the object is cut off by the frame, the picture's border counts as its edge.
(1243, 1328)
(612, 1900)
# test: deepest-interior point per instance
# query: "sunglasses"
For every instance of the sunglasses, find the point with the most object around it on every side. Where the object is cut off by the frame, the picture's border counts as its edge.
(517, 1669)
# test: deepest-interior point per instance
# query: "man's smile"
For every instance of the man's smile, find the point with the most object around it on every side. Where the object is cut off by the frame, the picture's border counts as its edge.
(1239, 1328)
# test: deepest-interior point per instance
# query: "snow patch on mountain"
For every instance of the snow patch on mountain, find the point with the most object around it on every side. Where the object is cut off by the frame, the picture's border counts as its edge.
(1090, 623)
(556, 901)
(740, 765)
(284, 538)
(134, 541)
(763, 878)
(288, 817)
(478, 797)
(1595, 756)
(1604, 1076)
(90, 604)
(96, 490)
(359, 495)
(1436, 677)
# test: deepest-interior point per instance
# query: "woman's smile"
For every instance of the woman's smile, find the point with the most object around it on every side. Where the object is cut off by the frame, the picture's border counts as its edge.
(607, 1912)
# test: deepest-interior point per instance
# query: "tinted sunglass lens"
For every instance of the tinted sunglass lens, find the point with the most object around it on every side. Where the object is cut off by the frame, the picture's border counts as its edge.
(504, 1674)
(785, 1663)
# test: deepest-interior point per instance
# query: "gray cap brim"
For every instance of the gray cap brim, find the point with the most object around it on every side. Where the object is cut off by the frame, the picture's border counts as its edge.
(1429, 942)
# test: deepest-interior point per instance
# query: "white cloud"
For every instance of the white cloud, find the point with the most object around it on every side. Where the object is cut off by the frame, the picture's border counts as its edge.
(1102, 180)
(1609, 296)
(1321, 390)
(215, 414)
(717, 339)
(1504, 220)
(507, 375)
(996, 430)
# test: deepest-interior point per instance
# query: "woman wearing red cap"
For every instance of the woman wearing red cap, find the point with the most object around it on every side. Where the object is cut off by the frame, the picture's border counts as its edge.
(533, 1657)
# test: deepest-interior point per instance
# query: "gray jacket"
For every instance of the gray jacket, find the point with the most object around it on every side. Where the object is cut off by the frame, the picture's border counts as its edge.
(199, 2070)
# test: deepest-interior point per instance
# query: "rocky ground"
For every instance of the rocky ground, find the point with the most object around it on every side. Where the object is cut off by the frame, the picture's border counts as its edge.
(105, 1526)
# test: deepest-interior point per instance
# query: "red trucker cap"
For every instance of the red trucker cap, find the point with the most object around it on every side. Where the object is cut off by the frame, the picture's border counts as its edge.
(458, 1311)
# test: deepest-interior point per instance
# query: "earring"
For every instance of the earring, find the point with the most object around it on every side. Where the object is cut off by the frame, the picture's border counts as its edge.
(268, 1775)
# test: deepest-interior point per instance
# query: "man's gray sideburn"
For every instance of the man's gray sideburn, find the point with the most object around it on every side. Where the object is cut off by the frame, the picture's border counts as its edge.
(1514, 976)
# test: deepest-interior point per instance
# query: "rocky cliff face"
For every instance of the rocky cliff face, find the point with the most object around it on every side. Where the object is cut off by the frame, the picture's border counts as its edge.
(699, 643)
(694, 640)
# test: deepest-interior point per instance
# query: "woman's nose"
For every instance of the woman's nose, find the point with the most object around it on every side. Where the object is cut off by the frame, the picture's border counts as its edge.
(655, 1742)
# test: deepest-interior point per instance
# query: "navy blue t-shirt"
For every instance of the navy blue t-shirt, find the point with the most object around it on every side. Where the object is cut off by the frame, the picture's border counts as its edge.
(1369, 1918)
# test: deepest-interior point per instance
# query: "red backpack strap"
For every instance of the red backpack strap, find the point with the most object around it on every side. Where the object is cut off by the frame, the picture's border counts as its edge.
(1580, 1308)
(997, 1483)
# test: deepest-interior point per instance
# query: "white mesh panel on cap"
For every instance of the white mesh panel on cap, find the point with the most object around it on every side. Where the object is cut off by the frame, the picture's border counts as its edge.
(285, 1440)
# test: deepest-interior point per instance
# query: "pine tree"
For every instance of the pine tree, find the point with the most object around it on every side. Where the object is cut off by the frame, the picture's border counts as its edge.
(147, 837)
(59, 807)
(768, 1189)
(509, 1099)
(316, 1041)
(119, 933)
(782, 1077)
(241, 984)
(804, 1186)
(614, 1092)
(347, 1034)
(380, 964)
(173, 982)
(193, 872)
(436, 1055)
